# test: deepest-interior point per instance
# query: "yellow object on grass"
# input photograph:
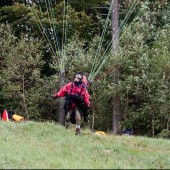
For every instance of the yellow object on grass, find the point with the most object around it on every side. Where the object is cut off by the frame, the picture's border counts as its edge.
(17, 118)
(100, 133)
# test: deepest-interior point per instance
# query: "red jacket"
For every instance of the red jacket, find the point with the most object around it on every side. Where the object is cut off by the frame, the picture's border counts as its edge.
(70, 88)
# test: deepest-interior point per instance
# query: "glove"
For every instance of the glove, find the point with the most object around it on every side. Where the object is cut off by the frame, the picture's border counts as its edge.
(85, 106)
(55, 96)
(85, 114)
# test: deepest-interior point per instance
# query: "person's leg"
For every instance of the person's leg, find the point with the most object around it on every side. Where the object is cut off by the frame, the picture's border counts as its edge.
(67, 118)
(78, 121)
(68, 111)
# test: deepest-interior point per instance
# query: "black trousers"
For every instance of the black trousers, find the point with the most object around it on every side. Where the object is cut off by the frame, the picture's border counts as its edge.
(79, 112)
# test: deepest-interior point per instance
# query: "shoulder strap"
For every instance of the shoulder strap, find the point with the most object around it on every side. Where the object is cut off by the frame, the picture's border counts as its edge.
(83, 87)
(71, 87)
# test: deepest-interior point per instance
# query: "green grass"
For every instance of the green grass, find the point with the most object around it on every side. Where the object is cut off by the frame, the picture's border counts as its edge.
(47, 146)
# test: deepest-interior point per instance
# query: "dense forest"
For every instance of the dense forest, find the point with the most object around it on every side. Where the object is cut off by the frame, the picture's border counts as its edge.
(43, 43)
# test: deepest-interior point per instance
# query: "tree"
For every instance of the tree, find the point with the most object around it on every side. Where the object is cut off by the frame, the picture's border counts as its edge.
(116, 100)
(7, 41)
(21, 70)
(6, 2)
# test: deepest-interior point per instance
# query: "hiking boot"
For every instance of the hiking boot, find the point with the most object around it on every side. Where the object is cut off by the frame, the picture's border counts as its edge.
(67, 125)
(77, 131)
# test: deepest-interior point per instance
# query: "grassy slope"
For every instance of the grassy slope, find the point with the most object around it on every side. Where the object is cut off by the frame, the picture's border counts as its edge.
(47, 145)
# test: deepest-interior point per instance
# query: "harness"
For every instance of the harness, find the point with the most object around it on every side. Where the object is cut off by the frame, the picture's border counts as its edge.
(76, 94)
(76, 97)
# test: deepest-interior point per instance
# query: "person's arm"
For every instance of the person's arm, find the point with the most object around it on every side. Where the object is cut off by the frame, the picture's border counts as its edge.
(87, 98)
(62, 92)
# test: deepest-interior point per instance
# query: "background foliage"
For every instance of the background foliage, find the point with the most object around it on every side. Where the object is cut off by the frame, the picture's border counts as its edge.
(30, 73)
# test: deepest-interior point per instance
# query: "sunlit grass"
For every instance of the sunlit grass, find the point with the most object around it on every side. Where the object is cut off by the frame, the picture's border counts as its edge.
(48, 145)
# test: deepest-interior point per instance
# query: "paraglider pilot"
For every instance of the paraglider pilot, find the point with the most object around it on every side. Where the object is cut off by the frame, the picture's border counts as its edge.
(76, 102)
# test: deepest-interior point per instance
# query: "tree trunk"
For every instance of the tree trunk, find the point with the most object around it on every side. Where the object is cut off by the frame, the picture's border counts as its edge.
(92, 126)
(168, 123)
(23, 95)
(116, 98)
(116, 105)
(93, 110)
(153, 124)
(61, 104)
